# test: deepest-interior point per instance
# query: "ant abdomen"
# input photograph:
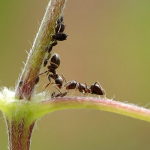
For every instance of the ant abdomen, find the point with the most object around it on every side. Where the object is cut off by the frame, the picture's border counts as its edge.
(97, 89)
(54, 62)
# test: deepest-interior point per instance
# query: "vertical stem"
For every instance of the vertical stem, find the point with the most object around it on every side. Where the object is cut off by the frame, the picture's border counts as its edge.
(19, 134)
(26, 83)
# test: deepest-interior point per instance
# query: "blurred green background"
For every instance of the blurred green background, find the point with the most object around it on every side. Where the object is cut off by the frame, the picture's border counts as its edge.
(109, 42)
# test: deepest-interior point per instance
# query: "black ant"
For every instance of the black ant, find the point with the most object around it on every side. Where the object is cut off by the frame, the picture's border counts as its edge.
(94, 88)
(54, 64)
(75, 85)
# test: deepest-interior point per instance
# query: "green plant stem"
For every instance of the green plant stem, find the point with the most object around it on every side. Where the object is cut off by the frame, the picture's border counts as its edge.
(19, 134)
(26, 83)
(20, 125)
(95, 103)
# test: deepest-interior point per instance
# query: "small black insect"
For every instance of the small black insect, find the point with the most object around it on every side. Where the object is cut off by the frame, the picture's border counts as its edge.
(51, 72)
(59, 36)
(45, 62)
(75, 85)
(94, 88)
(20, 83)
(59, 28)
(60, 20)
(49, 48)
(37, 79)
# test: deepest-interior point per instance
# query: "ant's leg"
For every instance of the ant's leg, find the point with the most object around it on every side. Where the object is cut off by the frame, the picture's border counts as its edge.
(63, 94)
(64, 79)
(57, 89)
(67, 83)
(60, 94)
(43, 73)
(49, 78)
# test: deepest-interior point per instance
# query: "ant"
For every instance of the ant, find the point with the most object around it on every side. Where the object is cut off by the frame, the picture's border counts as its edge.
(94, 88)
(54, 64)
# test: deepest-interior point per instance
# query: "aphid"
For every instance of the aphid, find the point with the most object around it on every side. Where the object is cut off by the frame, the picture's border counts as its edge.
(60, 20)
(20, 83)
(54, 43)
(59, 28)
(45, 62)
(37, 79)
(59, 36)
(49, 49)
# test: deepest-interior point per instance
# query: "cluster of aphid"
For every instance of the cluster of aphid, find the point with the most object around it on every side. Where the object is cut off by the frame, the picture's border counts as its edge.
(54, 63)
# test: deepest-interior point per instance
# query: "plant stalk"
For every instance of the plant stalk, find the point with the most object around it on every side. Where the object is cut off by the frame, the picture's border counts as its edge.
(26, 83)
(19, 134)
(97, 104)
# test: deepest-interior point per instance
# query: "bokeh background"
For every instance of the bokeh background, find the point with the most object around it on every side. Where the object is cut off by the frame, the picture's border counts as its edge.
(109, 42)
